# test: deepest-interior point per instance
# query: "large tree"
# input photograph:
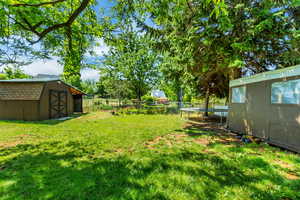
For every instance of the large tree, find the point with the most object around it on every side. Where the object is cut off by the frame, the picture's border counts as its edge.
(132, 59)
(215, 41)
(63, 28)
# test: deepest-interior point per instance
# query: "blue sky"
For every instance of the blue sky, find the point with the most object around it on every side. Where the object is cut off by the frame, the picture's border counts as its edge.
(54, 68)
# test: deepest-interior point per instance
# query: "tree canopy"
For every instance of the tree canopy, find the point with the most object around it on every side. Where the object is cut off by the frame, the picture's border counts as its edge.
(131, 61)
(207, 43)
(193, 45)
(37, 29)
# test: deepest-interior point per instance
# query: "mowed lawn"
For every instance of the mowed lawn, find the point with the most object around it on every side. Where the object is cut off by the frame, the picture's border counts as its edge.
(99, 156)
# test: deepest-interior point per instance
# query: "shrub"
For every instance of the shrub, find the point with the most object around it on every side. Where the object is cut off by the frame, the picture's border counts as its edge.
(149, 110)
(149, 100)
(105, 107)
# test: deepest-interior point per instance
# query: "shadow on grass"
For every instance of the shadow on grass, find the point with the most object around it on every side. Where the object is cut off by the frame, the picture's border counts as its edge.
(46, 122)
(204, 128)
(71, 171)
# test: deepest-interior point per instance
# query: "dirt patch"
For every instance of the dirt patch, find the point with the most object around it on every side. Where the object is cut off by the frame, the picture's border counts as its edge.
(208, 151)
(284, 164)
(22, 136)
(10, 144)
(178, 136)
(192, 129)
(291, 176)
(202, 141)
(19, 139)
(173, 139)
(211, 127)
(154, 141)
(168, 140)
(228, 140)
(95, 116)
(118, 150)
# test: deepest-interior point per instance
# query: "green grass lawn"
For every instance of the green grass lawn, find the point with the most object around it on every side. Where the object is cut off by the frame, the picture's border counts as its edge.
(99, 156)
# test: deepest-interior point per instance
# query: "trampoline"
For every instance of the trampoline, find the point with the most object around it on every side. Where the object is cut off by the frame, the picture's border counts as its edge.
(222, 111)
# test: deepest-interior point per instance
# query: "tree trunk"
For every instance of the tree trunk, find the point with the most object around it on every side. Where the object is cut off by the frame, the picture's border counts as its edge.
(139, 96)
(237, 73)
(179, 97)
(206, 102)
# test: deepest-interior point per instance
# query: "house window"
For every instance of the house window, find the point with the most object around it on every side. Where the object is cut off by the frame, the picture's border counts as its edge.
(287, 92)
(238, 95)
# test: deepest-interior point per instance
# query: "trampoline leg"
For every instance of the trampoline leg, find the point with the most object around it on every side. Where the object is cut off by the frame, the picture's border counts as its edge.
(221, 118)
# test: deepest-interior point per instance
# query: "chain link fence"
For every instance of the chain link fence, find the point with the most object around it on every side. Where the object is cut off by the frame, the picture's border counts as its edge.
(100, 104)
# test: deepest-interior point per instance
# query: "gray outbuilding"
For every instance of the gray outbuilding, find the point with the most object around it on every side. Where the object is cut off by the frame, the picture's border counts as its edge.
(267, 105)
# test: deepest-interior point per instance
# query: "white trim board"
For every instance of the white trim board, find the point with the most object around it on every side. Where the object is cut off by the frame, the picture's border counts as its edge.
(280, 73)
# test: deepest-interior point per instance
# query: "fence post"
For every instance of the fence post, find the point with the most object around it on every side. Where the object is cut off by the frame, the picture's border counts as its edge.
(93, 105)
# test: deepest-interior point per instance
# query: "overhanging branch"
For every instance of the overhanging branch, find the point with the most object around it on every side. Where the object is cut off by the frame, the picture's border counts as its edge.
(68, 23)
(38, 4)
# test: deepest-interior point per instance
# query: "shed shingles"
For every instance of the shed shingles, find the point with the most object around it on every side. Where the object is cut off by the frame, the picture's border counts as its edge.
(20, 91)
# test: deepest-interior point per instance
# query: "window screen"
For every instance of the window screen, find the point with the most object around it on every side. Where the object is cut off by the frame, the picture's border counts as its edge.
(238, 95)
(287, 92)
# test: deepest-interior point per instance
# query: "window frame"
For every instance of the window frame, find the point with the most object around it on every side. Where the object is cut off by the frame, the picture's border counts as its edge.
(245, 94)
(282, 104)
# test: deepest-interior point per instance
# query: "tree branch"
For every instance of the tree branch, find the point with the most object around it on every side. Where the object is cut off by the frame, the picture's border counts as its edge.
(38, 4)
(30, 27)
(43, 33)
(153, 31)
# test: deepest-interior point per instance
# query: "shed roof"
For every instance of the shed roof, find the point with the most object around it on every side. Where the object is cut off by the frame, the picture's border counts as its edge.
(30, 80)
(275, 74)
(21, 91)
(28, 89)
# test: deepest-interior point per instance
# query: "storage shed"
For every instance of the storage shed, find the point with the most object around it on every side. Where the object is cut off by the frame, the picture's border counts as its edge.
(38, 99)
(267, 106)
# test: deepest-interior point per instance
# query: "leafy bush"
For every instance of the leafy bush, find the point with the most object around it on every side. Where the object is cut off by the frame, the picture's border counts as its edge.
(172, 110)
(3, 77)
(148, 110)
(149, 100)
(105, 107)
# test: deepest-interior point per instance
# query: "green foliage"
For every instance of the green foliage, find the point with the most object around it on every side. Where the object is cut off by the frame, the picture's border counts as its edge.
(15, 73)
(100, 90)
(130, 65)
(113, 87)
(65, 29)
(149, 110)
(105, 107)
(207, 43)
(3, 76)
(89, 87)
(148, 99)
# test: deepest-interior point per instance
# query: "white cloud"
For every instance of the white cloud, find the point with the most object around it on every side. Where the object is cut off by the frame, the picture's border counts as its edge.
(44, 67)
(52, 67)
(101, 48)
(90, 74)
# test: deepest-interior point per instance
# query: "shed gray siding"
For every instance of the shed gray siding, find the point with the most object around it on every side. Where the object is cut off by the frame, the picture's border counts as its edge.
(277, 123)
